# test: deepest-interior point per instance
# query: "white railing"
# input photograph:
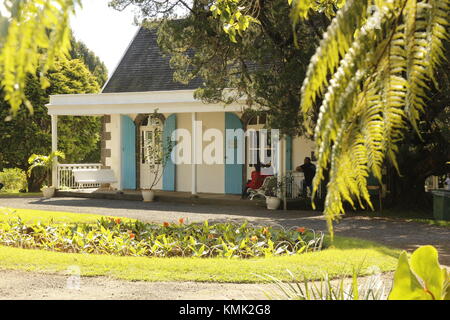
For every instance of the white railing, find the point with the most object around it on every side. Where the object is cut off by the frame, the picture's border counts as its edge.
(66, 179)
(294, 185)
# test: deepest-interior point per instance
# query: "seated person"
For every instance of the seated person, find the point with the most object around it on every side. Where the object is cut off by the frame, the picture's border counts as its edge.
(256, 181)
(309, 171)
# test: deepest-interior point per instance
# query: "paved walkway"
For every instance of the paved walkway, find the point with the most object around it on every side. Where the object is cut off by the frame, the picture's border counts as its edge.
(394, 233)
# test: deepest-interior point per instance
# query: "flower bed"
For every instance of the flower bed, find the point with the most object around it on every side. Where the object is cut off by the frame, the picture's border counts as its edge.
(115, 237)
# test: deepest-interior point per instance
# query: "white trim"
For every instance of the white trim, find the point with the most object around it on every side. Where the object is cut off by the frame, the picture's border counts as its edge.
(54, 120)
(178, 101)
(194, 154)
(119, 160)
(120, 61)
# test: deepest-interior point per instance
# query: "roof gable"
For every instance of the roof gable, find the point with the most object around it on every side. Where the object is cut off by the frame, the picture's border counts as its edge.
(143, 68)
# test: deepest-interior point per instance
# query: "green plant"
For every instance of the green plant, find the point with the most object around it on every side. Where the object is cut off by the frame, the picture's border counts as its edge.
(274, 187)
(373, 288)
(13, 179)
(134, 238)
(420, 278)
(46, 162)
(156, 154)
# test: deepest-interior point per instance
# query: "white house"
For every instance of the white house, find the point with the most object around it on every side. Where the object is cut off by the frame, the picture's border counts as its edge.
(143, 84)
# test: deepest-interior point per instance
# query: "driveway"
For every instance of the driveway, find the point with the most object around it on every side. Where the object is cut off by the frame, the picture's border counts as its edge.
(394, 233)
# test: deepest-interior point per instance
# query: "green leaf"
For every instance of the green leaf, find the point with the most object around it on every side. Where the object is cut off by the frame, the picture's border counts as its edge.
(406, 286)
(425, 264)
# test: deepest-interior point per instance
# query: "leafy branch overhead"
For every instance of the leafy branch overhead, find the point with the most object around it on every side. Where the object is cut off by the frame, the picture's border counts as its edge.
(370, 74)
(28, 28)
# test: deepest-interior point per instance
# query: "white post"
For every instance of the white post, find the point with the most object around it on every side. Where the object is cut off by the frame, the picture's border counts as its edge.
(55, 181)
(279, 162)
(118, 120)
(194, 155)
(283, 171)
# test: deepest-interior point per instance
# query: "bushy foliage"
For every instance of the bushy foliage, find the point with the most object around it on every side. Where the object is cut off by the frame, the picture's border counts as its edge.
(14, 180)
(27, 133)
(124, 238)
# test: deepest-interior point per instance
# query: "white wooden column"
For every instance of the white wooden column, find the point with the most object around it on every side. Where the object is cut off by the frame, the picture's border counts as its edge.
(194, 155)
(279, 163)
(283, 169)
(55, 181)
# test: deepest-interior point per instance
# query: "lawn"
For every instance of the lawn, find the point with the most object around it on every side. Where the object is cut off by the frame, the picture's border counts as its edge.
(346, 255)
(33, 216)
(419, 216)
(20, 194)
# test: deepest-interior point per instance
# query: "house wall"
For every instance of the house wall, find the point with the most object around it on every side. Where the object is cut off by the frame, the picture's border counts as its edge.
(210, 178)
(301, 148)
(113, 160)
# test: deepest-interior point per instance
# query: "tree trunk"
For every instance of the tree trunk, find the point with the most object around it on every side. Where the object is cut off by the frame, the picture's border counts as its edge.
(35, 181)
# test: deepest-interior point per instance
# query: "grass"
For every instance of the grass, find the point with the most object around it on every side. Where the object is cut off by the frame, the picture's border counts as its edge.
(346, 255)
(20, 194)
(30, 216)
(439, 223)
(418, 216)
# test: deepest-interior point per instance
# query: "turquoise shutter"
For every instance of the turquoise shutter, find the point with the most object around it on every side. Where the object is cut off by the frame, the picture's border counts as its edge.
(128, 155)
(288, 153)
(233, 171)
(169, 171)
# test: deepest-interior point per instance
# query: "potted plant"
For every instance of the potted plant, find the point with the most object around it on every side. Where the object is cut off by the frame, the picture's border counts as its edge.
(273, 191)
(45, 162)
(156, 157)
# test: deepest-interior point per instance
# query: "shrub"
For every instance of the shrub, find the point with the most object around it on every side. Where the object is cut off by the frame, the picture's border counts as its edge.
(115, 237)
(14, 180)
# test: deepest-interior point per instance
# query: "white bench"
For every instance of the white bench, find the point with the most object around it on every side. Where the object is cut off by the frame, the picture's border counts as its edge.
(94, 176)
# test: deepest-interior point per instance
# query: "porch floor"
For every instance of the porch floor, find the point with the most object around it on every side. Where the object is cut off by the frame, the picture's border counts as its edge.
(178, 197)
(166, 196)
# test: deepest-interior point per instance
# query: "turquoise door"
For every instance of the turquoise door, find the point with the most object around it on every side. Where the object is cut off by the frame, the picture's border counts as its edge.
(169, 171)
(233, 170)
(128, 136)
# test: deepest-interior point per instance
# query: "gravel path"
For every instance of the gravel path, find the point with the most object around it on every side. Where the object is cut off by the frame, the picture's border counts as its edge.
(19, 285)
(37, 286)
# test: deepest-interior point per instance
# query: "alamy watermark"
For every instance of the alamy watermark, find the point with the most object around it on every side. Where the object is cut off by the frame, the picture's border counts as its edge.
(229, 146)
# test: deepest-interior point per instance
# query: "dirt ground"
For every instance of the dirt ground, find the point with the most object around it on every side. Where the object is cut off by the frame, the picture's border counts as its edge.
(18, 285)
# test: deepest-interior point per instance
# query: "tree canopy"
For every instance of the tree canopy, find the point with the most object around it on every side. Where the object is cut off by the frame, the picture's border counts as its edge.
(78, 50)
(27, 133)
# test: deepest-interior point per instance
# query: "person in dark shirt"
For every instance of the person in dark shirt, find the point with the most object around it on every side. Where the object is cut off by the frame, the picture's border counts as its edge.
(1, 186)
(309, 171)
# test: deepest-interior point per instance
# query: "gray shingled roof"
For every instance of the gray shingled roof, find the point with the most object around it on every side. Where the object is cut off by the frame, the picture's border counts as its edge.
(143, 68)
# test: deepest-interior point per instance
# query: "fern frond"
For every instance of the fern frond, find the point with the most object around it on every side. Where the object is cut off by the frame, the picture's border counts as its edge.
(372, 81)
(334, 45)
